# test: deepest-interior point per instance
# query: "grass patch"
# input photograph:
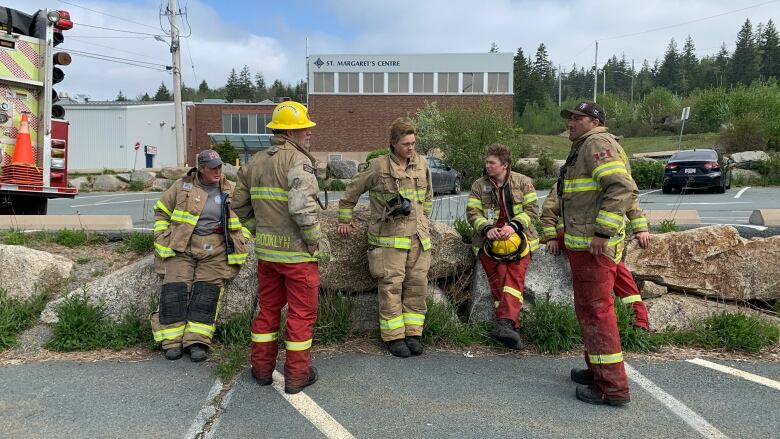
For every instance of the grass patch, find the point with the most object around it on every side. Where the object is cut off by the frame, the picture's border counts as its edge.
(558, 147)
(14, 237)
(16, 315)
(631, 338)
(83, 260)
(136, 242)
(231, 360)
(729, 331)
(83, 326)
(235, 336)
(552, 327)
(667, 225)
(333, 318)
(462, 226)
(76, 238)
(442, 326)
(137, 185)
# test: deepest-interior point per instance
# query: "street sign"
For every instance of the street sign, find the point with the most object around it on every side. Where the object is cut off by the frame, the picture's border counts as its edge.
(151, 150)
(137, 146)
(685, 113)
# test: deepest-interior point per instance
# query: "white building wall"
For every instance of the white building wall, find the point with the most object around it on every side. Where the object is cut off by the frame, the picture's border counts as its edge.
(152, 125)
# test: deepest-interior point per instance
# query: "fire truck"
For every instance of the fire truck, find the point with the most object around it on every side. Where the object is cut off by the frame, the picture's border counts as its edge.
(36, 170)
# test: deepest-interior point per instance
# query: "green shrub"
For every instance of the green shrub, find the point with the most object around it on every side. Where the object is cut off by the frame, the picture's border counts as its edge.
(657, 104)
(647, 174)
(552, 327)
(541, 183)
(334, 321)
(746, 132)
(15, 237)
(336, 185)
(137, 242)
(442, 326)
(544, 118)
(546, 164)
(137, 185)
(732, 332)
(429, 122)
(226, 152)
(16, 315)
(76, 238)
(462, 226)
(668, 225)
(377, 153)
(770, 168)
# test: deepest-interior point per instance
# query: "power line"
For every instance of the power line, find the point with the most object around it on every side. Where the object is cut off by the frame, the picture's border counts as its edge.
(117, 58)
(118, 50)
(686, 22)
(100, 58)
(105, 36)
(192, 64)
(115, 30)
(107, 14)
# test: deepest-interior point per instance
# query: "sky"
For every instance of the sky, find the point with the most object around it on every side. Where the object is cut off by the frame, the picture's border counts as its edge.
(270, 36)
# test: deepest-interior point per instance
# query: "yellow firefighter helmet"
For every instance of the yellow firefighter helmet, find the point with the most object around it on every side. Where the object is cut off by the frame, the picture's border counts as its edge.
(512, 248)
(290, 115)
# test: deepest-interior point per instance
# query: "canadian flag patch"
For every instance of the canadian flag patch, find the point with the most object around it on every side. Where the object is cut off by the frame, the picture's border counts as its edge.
(601, 155)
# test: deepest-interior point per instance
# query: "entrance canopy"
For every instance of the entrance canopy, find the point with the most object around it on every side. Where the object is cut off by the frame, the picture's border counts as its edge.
(245, 144)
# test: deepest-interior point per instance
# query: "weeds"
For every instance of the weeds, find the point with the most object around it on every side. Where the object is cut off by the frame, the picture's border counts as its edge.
(76, 238)
(668, 225)
(83, 260)
(235, 336)
(463, 228)
(137, 185)
(333, 318)
(231, 360)
(442, 325)
(732, 332)
(14, 237)
(631, 338)
(136, 242)
(16, 315)
(552, 327)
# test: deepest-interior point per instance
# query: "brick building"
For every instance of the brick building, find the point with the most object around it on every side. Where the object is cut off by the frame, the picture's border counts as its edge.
(355, 98)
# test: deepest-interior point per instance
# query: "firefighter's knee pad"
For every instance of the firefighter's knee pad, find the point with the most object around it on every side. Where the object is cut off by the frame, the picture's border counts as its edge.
(204, 302)
(173, 303)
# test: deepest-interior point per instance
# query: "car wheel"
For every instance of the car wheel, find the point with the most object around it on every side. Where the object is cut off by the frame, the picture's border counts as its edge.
(456, 186)
(666, 189)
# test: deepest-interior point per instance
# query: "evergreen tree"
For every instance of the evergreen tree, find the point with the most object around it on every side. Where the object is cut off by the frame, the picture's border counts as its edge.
(493, 47)
(770, 52)
(670, 73)
(645, 81)
(260, 91)
(278, 90)
(120, 97)
(245, 86)
(162, 95)
(745, 62)
(722, 61)
(521, 77)
(232, 90)
(203, 88)
(145, 98)
(689, 67)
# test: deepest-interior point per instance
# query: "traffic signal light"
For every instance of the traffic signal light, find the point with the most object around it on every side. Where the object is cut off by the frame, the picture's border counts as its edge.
(61, 22)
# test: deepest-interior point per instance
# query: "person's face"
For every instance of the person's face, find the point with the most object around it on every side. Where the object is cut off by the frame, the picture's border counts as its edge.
(404, 148)
(210, 175)
(579, 125)
(301, 137)
(494, 168)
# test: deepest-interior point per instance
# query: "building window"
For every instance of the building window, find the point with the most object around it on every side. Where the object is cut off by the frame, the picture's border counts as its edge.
(235, 123)
(473, 82)
(323, 82)
(373, 82)
(398, 82)
(334, 157)
(262, 121)
(422, 83)
(448, 82)
(348, 82)
(498, 82)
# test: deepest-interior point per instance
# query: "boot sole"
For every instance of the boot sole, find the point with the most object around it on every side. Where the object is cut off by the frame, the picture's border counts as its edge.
(297, 389)
(603, 401)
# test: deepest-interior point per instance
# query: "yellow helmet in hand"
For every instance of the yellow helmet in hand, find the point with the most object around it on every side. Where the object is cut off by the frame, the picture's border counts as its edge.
(512, 248)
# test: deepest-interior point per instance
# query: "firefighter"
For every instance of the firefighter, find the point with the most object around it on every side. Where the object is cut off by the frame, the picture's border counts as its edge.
(276, 195)
(501, 207)
(400, 196)
(625, 286)
(595, 191)
(202, 245)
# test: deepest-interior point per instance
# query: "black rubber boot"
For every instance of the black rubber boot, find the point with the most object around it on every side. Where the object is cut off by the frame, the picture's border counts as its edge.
(198, 353)
(173, 354)
(261, 380)
(398, 348)
(414, 344)
(582, 376)
(504, 331)
(312, 379)
(591, 395)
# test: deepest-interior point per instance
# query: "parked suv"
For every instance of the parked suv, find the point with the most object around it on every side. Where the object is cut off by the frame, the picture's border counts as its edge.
(444, 178)
(697, 168)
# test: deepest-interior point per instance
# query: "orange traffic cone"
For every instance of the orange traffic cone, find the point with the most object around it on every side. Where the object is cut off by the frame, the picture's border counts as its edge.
(23, 151)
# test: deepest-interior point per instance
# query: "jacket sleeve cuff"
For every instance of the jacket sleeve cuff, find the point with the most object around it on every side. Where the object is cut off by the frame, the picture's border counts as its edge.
(516, 225)
(602, 235)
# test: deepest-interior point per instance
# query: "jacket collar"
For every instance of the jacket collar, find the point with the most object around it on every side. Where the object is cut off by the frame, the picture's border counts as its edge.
(597, 130)
(397, 163)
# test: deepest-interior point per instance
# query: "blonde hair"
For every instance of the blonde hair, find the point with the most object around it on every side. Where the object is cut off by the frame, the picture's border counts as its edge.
(402, 126)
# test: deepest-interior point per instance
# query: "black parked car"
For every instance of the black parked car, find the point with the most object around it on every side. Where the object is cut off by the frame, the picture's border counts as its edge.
(697, 168)
(445, 178)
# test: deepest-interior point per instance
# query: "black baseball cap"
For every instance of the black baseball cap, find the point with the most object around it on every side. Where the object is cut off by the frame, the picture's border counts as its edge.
(586, 108)
(209, 158)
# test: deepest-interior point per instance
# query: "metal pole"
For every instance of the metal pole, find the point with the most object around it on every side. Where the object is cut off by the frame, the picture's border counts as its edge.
(176, 54)
(633, 73)
(596, 73)
(559, 85)
(604, 82)
(679, 141)
(307, 71)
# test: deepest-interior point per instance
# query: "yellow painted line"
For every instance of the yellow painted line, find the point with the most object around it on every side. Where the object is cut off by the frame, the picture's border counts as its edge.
(737, 373)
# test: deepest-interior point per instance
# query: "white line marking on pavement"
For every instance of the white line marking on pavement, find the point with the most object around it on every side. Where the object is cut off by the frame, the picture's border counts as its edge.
(713, 204)
(450, 197)
(759, 228)
(650, 192)
(126, 194)
(209, 410)
(312, 411)
(742, 191)
(674, 405)
(736, 372)
(106, 203)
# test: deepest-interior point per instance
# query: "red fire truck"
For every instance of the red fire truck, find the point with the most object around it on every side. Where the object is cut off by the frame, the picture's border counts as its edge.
(29, 66)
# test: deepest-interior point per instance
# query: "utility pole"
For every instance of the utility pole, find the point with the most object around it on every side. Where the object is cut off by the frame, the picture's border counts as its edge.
(559, 85)
(633, 73)
(176, 54)
(596, 73)
(307, 71)
(604, 82)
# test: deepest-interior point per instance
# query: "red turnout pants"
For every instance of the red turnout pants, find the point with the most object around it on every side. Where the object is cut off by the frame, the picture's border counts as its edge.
(507, 283)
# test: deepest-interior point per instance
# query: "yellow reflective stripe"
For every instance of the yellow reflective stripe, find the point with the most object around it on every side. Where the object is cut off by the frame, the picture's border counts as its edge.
(400, 242)
(200, 328)
(163, 251)
(479, 222)
(608, 168)
(412, 319)
(524, 218)
(250, 223)
(513, 292)
(605, 358)
(580, 185)
(345, 214)
(247, 234)
(297, 345)
(426, 244)
(281, 256)
(583, 242)
(182, 216)
(394, 323)
(559, 226)
(311, 233)
(268, 193)
(533, 244)
(161, 225)
(159, 205)
(517, 208)
(548, 230)
(474, 202)
(631, 299)
(237, 258)
(234, 223)
(530, 197)
(264, 337)
(609, 219)
(639, 223)
(427, 207)
(168, 333)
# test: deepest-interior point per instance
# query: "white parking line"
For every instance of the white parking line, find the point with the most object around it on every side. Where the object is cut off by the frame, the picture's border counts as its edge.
(678, 408)
(737, 373)
(107, 203)
(450, 197)
(125, 194)
(209, 410)
(312, 411)
(710, 204)
(750, 226)
(650, 192)
(742, 191)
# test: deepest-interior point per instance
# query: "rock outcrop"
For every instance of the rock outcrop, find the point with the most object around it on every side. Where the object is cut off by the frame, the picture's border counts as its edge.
(25, 271)
(342, 169)
(675, 311)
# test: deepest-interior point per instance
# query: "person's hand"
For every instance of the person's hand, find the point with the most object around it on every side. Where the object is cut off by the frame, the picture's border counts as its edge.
(312, 248)
(493, 233)
(598, 246)
(553, 247)
(345, 230)
(643, 238)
